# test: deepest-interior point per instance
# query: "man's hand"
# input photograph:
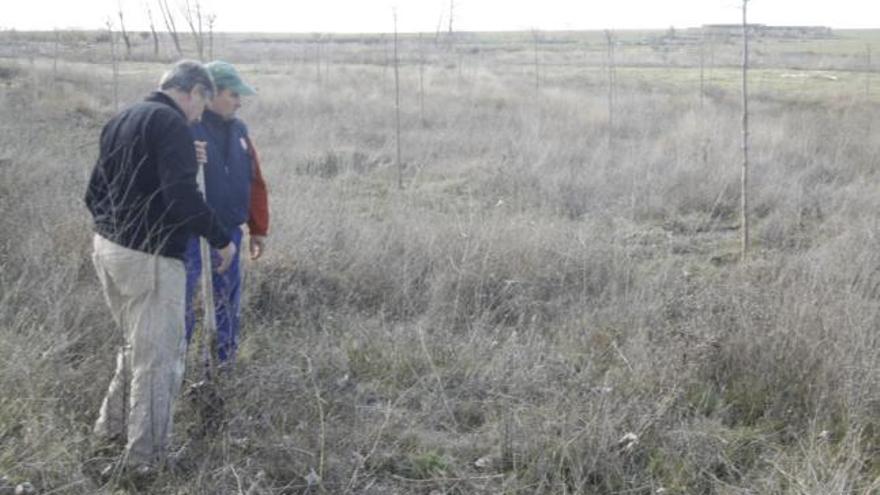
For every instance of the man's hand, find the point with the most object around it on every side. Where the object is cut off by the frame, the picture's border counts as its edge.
(201, 152)
(257, 246)
(227, 254)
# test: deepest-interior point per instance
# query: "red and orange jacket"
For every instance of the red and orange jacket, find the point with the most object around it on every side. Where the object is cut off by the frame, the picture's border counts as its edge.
(258, 218)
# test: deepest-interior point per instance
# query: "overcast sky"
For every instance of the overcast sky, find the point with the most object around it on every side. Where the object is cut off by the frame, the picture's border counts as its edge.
(469, 15)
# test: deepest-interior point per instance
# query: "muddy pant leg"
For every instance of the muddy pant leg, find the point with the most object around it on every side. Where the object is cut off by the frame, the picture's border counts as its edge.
(110, 425)
(157, 361)
(146, 296)
(112, 417)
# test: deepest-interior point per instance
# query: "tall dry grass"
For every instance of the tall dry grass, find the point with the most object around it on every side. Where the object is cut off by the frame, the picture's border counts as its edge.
(500, 324)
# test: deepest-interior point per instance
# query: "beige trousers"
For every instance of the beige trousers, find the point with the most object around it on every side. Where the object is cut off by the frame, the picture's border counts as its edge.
(146, 296)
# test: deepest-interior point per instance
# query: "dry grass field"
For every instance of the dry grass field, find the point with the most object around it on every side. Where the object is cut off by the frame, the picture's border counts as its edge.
(550, 305)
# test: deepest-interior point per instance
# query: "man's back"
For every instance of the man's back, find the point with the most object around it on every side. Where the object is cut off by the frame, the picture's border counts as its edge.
(142, 192)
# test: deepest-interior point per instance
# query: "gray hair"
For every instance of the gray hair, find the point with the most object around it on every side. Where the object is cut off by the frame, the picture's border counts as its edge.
(185, 75)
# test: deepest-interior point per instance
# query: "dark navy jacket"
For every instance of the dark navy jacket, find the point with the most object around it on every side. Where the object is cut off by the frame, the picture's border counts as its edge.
(142, 192)
(230, 168)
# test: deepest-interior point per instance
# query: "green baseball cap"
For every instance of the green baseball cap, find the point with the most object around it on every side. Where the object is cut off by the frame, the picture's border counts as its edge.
(225, 76)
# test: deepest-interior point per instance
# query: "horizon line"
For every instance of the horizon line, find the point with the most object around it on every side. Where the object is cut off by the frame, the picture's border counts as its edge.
(462, 31)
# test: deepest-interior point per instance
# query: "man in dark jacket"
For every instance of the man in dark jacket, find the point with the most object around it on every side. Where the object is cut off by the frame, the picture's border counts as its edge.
(235, 189)
(146, 206)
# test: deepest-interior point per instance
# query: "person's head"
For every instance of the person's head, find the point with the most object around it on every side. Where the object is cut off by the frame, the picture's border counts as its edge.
(230, 89)
(190, 85)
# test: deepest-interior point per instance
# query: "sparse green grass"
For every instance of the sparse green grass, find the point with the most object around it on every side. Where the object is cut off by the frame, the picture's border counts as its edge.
(528, 299)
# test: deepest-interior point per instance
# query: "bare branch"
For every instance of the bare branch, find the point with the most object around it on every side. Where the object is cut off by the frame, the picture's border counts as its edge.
(153, 30)
(192, 13)
(124, 33)
(168, 16)
(212, 18)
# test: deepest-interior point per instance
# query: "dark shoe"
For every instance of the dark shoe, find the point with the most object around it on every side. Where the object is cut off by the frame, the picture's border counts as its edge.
(99, 470)
(107, 447)
(138, 478)
(100, 464)
(6, 488)
(181, 461)
(208, 402)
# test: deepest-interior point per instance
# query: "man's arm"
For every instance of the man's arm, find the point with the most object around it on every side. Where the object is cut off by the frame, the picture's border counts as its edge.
(97, 188)
(176, 161)
(258, 221)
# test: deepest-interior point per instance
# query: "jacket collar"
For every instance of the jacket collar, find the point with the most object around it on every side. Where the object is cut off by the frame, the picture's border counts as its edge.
(160, 97)
(213, 118)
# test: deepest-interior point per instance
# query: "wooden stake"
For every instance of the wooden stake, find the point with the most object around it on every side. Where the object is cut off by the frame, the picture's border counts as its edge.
(115, 65)
(702, 67)
(537, 64)
(612, 81)
(397, 103)
(868, 71)
(421, 80)
(744, 206)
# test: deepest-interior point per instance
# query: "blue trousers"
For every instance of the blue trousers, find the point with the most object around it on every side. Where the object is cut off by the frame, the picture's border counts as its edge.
(227, 296)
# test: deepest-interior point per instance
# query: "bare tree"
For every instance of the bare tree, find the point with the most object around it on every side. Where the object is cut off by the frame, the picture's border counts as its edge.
(168, 17)
(535, 41)
(744, 197)
(421, 80)
(702, 66)
(397, 103)
(612, 89)
(439, 28)
(706, 141)
(211, 20)
(327, 57)
(192, 14)
(451, 15)
(153, 30)
(451, 33)
(124, 33)
(55, 58)
(459, 64)
(385, 63)
(115, 65)
(868, 71)
(318, 44)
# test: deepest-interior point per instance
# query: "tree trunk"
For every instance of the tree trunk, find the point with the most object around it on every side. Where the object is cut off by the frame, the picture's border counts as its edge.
(168, 16)
(124, 35)
(115, 65)
(537, 64)
(153, 31)
(318, 61)
(194, 21)
(397, 105)
(451, 15)
(744, 197)
(421, 80)
(211, 20)
(55, 58)
(702, 67)
(612, 80)
(868, 71)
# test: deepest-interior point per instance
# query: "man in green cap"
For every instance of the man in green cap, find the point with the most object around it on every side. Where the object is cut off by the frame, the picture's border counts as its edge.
(235, 189)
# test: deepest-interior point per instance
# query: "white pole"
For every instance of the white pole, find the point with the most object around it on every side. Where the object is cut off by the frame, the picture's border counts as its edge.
(210, 323)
